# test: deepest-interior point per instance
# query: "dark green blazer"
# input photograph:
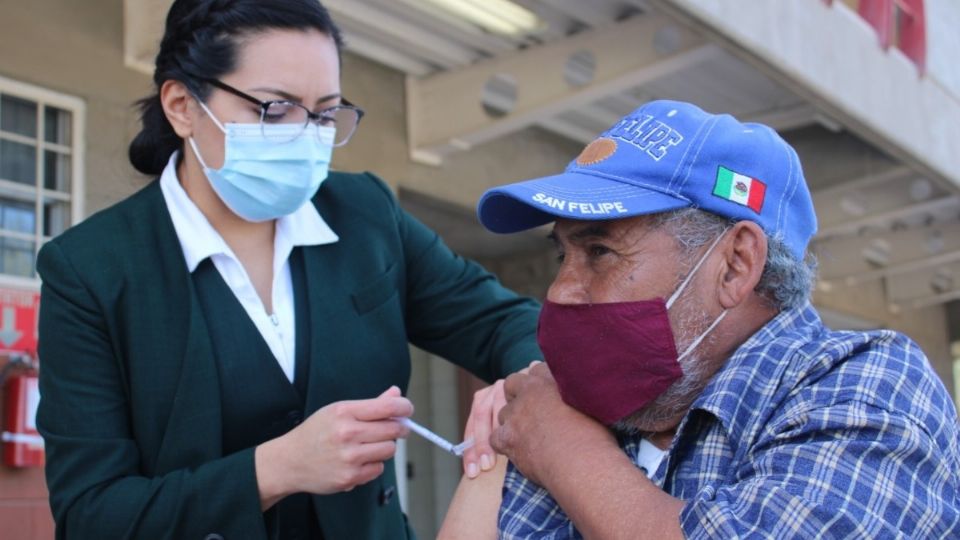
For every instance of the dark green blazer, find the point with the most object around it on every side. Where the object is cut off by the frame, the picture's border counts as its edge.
(130, 409)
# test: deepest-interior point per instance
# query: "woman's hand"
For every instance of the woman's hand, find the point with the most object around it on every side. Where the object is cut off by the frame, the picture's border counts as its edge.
(487, 403)
(337, 448)
(482, 422)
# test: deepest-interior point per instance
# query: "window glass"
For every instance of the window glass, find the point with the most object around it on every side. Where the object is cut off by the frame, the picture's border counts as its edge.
(39, 173)
(56, 171)
(56, 217)
(16, 257)
(58, 125)
(18, 162)
(18, 115)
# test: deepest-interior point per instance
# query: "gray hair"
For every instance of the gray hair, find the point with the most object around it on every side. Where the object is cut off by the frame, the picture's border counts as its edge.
(785, 283)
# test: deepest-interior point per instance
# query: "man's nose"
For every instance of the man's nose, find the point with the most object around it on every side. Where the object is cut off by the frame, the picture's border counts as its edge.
(567, 287)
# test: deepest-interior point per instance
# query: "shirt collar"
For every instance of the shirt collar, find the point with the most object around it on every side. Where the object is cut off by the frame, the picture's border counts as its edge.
(199, 240)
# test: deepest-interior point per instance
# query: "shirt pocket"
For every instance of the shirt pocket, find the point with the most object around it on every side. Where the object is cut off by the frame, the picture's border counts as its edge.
(376, 292)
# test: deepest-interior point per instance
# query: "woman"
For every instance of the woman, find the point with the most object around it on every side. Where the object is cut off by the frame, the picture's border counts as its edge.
(224, 352)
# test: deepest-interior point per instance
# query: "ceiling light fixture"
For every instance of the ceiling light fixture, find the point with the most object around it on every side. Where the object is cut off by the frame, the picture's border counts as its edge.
(497, 16)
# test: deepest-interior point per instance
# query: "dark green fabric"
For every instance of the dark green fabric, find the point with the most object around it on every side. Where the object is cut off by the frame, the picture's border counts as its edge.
(258, 401)
(131, 406)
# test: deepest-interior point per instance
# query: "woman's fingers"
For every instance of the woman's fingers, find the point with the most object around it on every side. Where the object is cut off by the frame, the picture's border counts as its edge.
(390, 404)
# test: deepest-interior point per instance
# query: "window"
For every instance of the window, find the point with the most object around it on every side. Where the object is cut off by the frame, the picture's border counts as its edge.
(900, 23)
(41, 173)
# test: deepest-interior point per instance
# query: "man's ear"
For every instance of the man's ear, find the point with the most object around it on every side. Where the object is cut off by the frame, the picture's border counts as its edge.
(745, 254)
(177, 105)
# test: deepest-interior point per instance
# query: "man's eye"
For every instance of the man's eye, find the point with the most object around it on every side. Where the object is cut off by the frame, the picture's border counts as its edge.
(560, 256)
(598, 250)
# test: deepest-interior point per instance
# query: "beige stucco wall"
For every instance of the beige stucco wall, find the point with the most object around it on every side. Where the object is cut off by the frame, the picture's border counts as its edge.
(77, 48)
(380, 144)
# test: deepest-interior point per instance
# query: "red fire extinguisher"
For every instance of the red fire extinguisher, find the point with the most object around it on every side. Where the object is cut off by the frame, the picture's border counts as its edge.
(22, 444)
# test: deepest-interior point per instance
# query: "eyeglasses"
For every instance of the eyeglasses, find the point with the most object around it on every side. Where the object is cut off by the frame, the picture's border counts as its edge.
(344, 117)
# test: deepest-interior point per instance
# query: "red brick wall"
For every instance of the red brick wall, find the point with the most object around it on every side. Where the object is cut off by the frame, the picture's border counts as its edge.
(24, 512)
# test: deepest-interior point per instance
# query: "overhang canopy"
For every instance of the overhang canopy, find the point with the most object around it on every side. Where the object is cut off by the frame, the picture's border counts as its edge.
(886, 179)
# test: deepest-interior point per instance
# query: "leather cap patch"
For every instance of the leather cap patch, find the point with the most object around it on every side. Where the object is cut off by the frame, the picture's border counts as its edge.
(597, 151)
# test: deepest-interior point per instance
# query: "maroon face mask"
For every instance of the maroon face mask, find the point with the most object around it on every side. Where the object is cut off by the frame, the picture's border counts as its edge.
(611, 360)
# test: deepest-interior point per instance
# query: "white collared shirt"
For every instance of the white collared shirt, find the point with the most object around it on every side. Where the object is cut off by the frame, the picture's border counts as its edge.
(649, 457)
(200, 240)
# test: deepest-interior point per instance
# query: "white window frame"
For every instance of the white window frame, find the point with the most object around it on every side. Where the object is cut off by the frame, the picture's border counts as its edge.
(77, 107)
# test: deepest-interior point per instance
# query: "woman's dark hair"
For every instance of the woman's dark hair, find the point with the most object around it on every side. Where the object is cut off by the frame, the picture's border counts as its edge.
(200, 41)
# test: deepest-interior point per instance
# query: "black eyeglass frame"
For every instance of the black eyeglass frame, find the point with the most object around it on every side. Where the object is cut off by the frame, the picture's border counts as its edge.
(311, 115)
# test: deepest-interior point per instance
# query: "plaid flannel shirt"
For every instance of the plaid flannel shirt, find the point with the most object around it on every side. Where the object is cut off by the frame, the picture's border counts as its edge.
(804, 433)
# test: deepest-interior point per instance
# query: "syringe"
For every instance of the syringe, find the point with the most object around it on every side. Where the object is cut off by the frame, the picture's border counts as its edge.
(455, 449)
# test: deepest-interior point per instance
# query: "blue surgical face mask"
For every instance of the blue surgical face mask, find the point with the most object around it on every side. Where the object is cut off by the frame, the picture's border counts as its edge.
(269, 172)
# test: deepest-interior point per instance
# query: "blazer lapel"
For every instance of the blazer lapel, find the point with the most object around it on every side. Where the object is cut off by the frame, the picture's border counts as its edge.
(188, 384)
(194, 430)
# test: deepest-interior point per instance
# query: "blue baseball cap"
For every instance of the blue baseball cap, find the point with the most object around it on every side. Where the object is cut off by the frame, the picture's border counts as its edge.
(664, 156)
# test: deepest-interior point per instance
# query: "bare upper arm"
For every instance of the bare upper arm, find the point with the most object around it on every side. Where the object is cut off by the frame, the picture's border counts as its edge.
(472, 514)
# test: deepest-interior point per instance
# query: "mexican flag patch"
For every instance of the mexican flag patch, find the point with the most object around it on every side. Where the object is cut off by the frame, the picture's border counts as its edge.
(740, 189)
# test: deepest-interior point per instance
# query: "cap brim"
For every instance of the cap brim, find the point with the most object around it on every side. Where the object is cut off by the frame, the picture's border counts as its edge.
(524, 205)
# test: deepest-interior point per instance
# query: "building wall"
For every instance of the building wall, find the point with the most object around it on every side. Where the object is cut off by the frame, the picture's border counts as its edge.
(432, 474)
(80, 52)
(74, 48)
(943, 43)
(24, 513)
(77, 48)
(380, 144)
(840, 75)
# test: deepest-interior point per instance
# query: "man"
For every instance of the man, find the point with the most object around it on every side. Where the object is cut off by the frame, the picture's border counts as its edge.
(726, 410)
